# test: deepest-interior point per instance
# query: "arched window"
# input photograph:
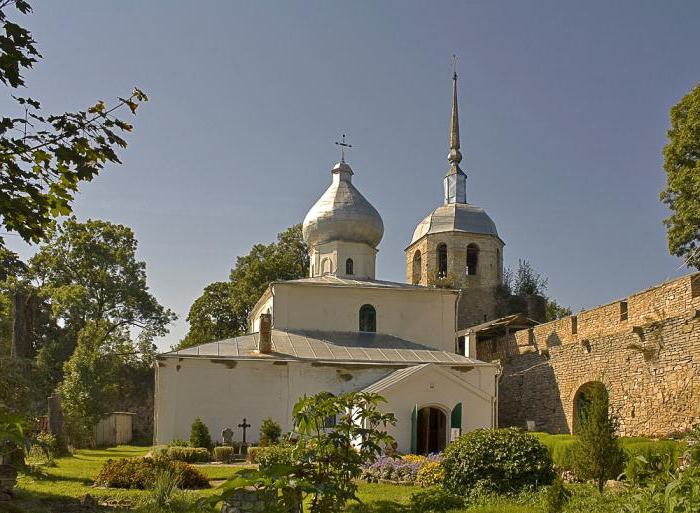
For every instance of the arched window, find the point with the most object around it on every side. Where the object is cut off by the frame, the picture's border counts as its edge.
(368, 318)
(472, 258)
(349, 267)
(417, 268)
(442, 260)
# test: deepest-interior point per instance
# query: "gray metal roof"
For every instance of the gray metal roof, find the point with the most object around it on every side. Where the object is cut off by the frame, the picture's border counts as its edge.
(458, 217)
(331, 346)
(342, 213)
(393, 378)
(330, 279)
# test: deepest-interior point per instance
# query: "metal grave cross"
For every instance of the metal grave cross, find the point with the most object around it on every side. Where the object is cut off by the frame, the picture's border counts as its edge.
(245, 426)
(343, 145)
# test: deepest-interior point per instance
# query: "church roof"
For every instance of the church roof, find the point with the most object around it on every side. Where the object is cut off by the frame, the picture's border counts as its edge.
(394, 378)
(333, 280)
(456, 217)
(327, 346)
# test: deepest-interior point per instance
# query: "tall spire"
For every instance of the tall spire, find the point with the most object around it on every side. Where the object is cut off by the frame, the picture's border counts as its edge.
(455, 156)
(455, 181)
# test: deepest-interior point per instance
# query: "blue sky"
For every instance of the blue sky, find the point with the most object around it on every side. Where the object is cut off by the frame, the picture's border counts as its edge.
(563, 105)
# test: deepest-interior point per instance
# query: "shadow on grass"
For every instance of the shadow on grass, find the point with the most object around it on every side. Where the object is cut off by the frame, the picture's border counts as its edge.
(42, 475)
(378, 507)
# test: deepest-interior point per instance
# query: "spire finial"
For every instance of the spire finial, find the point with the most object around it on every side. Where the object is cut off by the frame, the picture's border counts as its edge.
(343, 145)
(455, 156)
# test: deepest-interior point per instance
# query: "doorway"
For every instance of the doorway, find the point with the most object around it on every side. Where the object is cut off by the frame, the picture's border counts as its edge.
(432, 430)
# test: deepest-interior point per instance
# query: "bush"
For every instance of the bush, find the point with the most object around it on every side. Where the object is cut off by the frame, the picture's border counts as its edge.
(431, 473)
(140, 473)
(188, 454)
(556, 497)
(46, 445)
(267, 457)
(270, 432)
(224, 453)
(560, 448)
(500, 460)
(199, 434)
(178, 442)
(435, 499)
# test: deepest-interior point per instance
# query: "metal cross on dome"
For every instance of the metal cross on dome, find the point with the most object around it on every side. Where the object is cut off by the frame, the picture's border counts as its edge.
(343, 145)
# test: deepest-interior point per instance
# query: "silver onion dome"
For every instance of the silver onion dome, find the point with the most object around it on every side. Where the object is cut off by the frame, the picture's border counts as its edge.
(456, 217)
(343, 214)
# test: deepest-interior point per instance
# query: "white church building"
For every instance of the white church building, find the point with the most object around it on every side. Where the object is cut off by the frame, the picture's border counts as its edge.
(341, 330)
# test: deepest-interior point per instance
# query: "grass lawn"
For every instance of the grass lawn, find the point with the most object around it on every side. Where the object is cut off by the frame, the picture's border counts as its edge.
(46, 489)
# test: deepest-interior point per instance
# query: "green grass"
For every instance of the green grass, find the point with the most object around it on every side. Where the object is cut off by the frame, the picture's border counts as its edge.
(41, 488)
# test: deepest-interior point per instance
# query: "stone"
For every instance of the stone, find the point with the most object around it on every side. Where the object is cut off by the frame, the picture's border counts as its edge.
(227, 436)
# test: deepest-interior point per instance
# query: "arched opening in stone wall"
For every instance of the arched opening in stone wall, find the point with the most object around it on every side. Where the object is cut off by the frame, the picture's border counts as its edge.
(582, 401)
(442, 260)
(416, 271)
(368, 319)
(349, 267)
(432, 430)
(472, 258)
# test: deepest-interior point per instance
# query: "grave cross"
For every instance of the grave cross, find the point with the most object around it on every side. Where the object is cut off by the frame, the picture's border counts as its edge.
(245, 426)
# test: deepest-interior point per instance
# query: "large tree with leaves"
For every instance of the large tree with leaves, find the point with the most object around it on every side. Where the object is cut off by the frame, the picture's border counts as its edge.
(45, 157)
(222, 310)
(682, 192)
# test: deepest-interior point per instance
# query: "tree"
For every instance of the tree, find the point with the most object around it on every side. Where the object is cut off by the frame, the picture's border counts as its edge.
(44, 158)
(222, 310)
(555, 311)
(199, 435)
(682, 192)
(597, 453)
(212, 316)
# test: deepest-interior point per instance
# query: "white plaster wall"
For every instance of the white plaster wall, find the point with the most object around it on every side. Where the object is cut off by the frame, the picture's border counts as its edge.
(363, 256)
(437, 390)
(423, 316)
(222, 392)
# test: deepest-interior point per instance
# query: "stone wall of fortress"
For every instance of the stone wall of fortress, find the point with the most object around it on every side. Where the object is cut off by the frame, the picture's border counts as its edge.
(645, 349)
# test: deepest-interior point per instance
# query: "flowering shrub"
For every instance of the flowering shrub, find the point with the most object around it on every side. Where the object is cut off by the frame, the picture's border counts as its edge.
(430, 474)
(403, 469)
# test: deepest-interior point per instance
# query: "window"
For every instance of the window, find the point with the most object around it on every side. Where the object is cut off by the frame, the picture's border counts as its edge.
(623, 311)
(442, 260)
(417, 267)
(574, 325)
(349, 267)
(472, 258)
(368, 318)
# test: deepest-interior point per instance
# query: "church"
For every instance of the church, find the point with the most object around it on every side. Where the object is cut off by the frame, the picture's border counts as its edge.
(341, 329)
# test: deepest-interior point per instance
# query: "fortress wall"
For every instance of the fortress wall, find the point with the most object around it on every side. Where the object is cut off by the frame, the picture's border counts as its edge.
(649, 363)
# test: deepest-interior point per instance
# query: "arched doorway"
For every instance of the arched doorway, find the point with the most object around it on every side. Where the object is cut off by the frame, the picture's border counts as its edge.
(432, 430)
(582, 400)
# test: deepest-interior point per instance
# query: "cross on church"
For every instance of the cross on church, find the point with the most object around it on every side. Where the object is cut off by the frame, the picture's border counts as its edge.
(245, 426)
(343, 145)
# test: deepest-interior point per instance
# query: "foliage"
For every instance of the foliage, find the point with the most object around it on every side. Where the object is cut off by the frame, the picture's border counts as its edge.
(435, 500)
(224, 453)
(524, 281)
(682, 192)
(598, 454)
(141, 473)
(199, 434)
(273, 455)
(555, 311)
(270, 432)
(431, 473)
(178, 442)
(325, 463)
(222, 310)
(44, 158)
(47, 445)
(561, 448)
(89, 390)
(165, 485)
(556, 496)
(640, 470)
(677, 492)
(187, 454)
(403, 470)
(500, 460)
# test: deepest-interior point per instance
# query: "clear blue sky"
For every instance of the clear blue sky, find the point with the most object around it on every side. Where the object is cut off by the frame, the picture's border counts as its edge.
(564, 110)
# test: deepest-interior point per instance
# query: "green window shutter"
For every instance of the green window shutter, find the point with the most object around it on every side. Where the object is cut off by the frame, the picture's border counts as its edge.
(414, 430)
(456, 418)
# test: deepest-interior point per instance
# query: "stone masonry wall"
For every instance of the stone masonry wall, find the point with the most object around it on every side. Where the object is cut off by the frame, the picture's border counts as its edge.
(649, 363)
